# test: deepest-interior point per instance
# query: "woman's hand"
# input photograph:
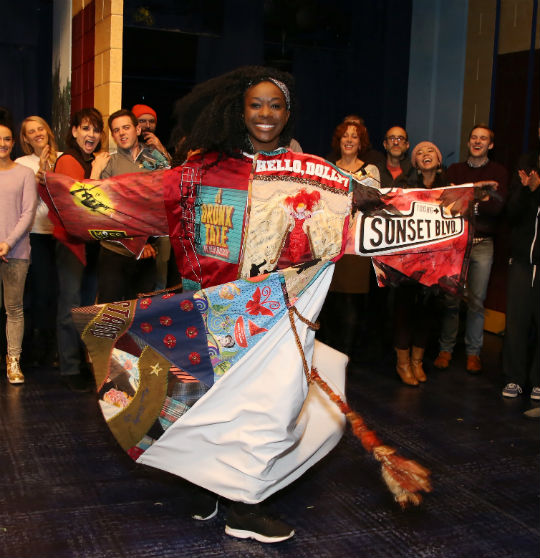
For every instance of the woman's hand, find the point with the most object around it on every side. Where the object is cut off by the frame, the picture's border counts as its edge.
(99, 163)
(40, 176)
(4, 249)
(43, 164)
(44, 157)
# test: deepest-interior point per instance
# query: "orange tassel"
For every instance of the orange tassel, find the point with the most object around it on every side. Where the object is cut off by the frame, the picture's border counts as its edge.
(404, 477)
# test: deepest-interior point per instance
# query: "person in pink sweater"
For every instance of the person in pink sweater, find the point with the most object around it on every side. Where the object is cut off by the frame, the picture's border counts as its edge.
(18, 199)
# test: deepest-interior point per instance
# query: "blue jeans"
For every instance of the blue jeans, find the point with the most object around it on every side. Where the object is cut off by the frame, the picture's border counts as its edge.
(13, 278)
(477, 283)
(77, 287)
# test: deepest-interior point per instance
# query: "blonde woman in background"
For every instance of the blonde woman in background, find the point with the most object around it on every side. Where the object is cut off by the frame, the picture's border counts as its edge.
(40, 148)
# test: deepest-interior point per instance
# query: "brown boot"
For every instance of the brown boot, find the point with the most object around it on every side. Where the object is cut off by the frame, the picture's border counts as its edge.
(443, 360)
(417, 354)
(403, 367)
(474, 365)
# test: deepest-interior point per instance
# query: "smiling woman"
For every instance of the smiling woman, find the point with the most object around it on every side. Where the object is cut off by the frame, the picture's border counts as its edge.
(247, 110)
(236, 115)
(83, 140)
(426, 158)
(39, 146)
(78, 162)
(17, 209)
(266, 114)
(343, 311)
(413, 303)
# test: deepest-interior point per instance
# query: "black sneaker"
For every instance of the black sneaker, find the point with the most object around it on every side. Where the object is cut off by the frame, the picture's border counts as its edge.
(250, 521)
(204, 504)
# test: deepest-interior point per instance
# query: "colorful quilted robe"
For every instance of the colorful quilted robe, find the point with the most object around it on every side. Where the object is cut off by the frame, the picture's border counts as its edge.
(211, 384)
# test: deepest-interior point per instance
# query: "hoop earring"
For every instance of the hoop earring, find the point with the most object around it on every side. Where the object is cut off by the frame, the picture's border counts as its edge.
(249, 143)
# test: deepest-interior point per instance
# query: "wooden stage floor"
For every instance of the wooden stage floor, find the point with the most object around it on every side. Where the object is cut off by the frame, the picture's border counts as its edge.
(68, 490)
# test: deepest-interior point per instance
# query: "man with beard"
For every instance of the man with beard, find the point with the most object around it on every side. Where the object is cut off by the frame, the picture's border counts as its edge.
(398, 170)
(147, 119)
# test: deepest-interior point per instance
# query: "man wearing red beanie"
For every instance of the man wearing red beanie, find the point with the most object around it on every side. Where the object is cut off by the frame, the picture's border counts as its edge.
(147, 118)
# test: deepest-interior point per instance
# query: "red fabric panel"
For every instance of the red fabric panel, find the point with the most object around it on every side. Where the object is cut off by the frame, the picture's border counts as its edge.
(180, 191)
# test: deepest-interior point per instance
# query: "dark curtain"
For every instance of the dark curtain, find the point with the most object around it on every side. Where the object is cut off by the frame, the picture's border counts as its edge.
(26, 59)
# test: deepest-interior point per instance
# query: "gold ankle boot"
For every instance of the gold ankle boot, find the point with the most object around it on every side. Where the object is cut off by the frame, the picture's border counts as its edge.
(14, 374)
(403, 367)
(417, 355)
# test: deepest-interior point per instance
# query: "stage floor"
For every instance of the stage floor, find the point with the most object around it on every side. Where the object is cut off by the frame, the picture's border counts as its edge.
(68, 490)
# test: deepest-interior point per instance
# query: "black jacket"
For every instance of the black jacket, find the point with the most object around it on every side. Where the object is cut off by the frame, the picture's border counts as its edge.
(408, 176)
(522, 214)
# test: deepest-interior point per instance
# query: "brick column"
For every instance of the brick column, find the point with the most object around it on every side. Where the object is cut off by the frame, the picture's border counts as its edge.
(96, 72)
(108, 56)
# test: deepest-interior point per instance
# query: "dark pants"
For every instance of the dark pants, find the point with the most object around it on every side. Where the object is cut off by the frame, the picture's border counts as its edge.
(342, 322)
(43, 281)
(77, 287)
(123, 277)
(521, 340)
(413, 307)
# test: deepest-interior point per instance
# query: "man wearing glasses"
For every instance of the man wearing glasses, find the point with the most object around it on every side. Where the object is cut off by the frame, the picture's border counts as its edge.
(398, 170)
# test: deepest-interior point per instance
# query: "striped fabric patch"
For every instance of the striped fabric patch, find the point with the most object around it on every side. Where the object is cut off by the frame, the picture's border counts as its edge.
(172, 410)
(182, 375)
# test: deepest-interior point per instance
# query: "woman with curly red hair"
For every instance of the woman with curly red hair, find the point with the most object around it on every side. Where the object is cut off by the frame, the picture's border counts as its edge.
(346, 300)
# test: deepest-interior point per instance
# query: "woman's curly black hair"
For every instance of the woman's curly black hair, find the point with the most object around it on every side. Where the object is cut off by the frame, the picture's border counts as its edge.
(211, 117)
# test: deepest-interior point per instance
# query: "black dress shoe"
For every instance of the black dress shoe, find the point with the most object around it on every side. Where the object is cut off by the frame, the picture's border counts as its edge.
(78, 383)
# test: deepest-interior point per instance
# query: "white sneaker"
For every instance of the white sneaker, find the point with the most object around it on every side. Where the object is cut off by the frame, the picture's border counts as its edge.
(512, 390)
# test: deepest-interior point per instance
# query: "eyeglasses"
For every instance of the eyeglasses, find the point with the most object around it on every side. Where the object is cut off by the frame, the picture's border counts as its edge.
(396, 139)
